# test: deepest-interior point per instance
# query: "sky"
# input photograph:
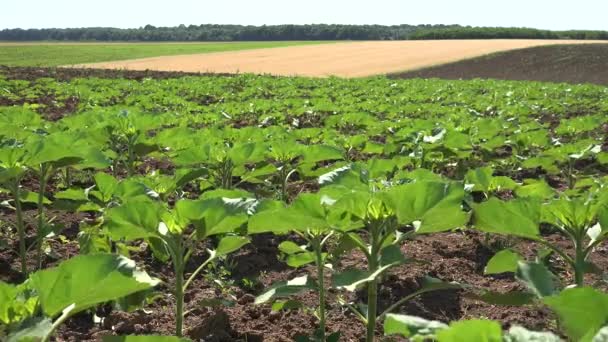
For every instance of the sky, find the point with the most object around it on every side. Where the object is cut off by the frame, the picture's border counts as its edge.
(543, 14)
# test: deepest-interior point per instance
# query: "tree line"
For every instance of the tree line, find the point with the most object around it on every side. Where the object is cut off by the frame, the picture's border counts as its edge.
(505, 33)
(209, 32)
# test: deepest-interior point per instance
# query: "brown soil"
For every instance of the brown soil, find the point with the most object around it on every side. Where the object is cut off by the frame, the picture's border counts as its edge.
(66, 74)
(341, 59)
(567, 63)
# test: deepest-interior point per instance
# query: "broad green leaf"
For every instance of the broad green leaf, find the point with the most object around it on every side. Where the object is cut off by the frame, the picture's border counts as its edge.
(435, 206)
(306, 212)
(230, 244)
(289, 247)
(73, 194)
(503, 261)
(582, 311)
(51, 150)
(301, 259)
(348, 177)
(316, 153)
(106, 185)
(87, 280)
(575, 214)
(481, 178)
(8, 294)
(408, 326)
(247, 153)
(213, 216)
(392, 255)
(520, 217)
(535, 188)
(537, 278)
(477, 330)
(134, 220)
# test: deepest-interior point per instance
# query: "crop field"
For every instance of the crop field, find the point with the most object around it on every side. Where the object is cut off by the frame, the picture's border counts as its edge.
(62, 53)
(353, 59)
(258, 208)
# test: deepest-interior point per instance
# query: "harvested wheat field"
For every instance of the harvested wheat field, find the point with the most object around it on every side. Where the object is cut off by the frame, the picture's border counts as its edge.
(352, 59)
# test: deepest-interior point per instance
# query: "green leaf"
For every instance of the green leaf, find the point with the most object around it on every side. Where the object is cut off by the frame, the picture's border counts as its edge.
(247, 153)
(8, 294)
(289, 247)
(353, 278)
(289, 304)
(134, 220)
(213, 216)
(73, 194)
(477, 330)
(286, 289)
(306, 212)
(317, 153)
(230, 244)
(537, 278)
(573, 214)
(106, 185)
(87, 280)
(481, 178)
(144, 338)
(392, 255)
(408, 326)
(520, 217)
(51, 150)
(503, 261)
(535, 188)
(582, 311)
(435, 206)
(301, 259)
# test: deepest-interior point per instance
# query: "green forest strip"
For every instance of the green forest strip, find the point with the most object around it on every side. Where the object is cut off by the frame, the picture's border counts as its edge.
(57, 54)
(208, 32)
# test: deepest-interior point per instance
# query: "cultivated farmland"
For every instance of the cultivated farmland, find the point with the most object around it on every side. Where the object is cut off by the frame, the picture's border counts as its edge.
(258, 208)
(351, 59)
(61, 53)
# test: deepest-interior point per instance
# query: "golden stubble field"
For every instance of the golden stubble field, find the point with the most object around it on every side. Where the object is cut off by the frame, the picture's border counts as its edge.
(348, 59)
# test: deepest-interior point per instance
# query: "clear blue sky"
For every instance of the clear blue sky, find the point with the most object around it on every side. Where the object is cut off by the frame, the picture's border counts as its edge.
(545, 14)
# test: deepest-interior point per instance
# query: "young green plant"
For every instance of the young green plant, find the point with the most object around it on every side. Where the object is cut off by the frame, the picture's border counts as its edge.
(167, 233)
(424, 206)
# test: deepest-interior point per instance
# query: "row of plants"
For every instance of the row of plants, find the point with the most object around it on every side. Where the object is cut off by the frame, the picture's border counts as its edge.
(349, 212)
(226, 159)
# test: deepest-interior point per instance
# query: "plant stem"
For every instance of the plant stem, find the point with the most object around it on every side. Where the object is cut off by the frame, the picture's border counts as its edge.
(43, 178)
(196, 272)
(372, 289)
(64, 316)
(321, 282)
(579, 263)
(20, 228)
(179, 297)
(68, 177)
